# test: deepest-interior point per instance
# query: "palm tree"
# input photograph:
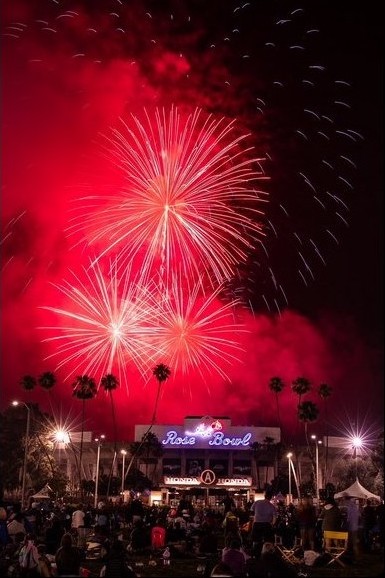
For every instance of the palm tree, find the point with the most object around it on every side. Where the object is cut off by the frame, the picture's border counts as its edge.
(325, 391)
(300, 387)
(84, 388)
(276, 385)
(109, 383)
(47, 380)
(161, 373)
(307, 413)
(28, 382)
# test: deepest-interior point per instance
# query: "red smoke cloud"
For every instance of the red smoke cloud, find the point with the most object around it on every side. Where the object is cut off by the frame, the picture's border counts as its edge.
(61, 90)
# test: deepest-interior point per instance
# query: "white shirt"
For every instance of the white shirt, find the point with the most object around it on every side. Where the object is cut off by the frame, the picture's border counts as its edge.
(78, 519)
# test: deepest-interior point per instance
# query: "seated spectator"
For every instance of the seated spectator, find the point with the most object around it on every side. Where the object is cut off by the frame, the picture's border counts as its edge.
(234, 558)
(270, 564)
(53, 535)
(138, 537)
(208, 541)
(231, 526)
(16, 526)
(68, 557)
(116, 563)
(221, 570)
(158, 536)
(29, 558)
(44, 566)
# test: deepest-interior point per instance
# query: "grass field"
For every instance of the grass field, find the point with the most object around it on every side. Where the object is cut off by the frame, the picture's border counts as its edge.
(151, 566)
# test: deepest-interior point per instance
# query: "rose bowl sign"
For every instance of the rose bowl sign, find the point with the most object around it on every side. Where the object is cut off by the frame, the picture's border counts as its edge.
(217, 439)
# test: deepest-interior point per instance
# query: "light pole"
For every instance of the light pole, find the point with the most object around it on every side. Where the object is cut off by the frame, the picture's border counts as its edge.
(99, 441)
(26, 444)
(317, 443)
(289, 456)
(357, 443)
(124, 453)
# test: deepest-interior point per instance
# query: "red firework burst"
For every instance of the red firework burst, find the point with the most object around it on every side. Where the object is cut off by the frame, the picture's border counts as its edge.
(189, 196)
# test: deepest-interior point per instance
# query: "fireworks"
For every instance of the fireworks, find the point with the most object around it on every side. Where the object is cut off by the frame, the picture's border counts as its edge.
(108, 318)
(188, 216)
(198, 332)
(188, 197)
(114, 321)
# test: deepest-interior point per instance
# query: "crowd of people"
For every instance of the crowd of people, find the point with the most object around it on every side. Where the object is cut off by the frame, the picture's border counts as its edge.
(53, 539)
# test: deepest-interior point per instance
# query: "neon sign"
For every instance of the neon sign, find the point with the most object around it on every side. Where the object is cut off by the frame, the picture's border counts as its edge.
(207, 481)
(218, 438)
(204, 430)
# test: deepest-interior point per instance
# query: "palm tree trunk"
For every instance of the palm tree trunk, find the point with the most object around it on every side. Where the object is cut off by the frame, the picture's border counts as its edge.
(156, 403)
(147, 432)
(115, 444)
(326, 473)
(81, 447)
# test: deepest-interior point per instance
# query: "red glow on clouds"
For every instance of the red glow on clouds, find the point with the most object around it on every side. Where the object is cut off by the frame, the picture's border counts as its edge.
(58, 96)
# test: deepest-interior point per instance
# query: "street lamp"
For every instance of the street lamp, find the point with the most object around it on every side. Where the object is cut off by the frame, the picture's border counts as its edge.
(99, 441)
(124, 453)
(357, 443)
(317, 443)
(26, 444)
(61, 436)
(289, 456)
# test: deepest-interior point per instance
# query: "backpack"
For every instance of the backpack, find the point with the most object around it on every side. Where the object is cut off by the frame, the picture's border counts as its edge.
(28, 557)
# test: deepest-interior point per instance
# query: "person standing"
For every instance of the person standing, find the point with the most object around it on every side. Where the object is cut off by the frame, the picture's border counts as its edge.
(331, 518)
(77, 523)
(307, 519)
(265, 515)
(368, 524)
(352, 519)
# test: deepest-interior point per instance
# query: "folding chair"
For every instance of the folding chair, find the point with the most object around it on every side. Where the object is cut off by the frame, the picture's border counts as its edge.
(288, 554)
(335, 544)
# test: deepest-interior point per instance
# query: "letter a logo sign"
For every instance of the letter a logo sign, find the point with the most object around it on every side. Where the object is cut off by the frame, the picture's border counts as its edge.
(208, 477)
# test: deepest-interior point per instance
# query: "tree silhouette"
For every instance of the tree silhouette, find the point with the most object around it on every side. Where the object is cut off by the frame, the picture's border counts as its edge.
(276, 385)
(161, 372)
(47, 380)
(300, 387)
(109, 383)
(307, 413)
(84, 388)
(325, 391)
(28, 382)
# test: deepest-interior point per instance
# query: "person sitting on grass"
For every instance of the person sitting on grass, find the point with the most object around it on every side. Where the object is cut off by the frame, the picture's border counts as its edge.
(116, 563)
(68, 557)
(234, 558)
(270, 564)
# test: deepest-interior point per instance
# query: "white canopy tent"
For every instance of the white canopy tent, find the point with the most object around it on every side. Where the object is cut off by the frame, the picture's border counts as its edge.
(356, 490)
(43, 494)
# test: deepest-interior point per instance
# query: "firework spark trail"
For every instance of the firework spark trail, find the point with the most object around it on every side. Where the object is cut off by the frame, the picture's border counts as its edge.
(303, 78)
(189, 196)
(118, 321)
(198, 332)
(289, 42)
(303, 129)
(109, 321)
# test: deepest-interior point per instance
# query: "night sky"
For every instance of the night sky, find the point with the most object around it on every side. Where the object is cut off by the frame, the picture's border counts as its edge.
(304, 82)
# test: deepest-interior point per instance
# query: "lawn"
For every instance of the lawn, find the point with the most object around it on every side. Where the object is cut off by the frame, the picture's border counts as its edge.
(151, 566)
